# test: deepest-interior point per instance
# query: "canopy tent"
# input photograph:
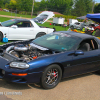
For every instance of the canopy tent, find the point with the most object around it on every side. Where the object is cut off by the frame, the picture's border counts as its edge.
(81, 17)
(94, 17)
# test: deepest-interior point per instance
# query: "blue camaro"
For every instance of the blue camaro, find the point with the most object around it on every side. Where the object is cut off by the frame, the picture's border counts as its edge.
(49, 58)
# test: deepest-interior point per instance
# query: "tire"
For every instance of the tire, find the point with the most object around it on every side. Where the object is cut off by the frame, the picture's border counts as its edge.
(97, 72)
(54, 24)
(1, 36)
(72, 27)
(51, 76)
(88, 32)
(97, 33)
(40, 34)
(81, 29)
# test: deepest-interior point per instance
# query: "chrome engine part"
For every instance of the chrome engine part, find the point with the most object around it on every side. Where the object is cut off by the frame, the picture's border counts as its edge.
(20, 47)
(26, 52)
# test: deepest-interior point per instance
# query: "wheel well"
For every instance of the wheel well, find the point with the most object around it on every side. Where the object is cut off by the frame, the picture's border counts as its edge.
(40, 33)
(62, 68)
(2, 33)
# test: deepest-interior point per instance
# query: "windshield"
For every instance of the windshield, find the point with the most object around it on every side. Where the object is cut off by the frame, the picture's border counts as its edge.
(57, 41)
(8, 23)
(43, 15)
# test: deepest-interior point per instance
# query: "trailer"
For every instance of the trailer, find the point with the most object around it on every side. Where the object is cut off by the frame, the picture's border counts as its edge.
(59, 21)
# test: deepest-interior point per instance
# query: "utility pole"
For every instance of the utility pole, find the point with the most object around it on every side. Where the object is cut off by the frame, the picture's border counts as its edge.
(32, 8)
(93, 6)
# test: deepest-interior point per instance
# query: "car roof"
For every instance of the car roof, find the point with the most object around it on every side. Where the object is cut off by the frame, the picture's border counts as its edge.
(80, 35)
(18, 20)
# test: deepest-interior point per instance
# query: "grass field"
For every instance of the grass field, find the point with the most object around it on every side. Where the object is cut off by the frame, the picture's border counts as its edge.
(16, 15)
(57, 27)
(4, 19)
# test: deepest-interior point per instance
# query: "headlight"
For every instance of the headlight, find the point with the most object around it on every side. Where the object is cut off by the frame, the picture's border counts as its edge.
(19, 65)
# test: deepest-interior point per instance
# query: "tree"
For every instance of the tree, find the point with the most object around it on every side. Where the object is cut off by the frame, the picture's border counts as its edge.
(88, 5)
(43, 5)
(79, 8)
(6, 2)
(82, 7)
(12, 4)
(24, 5)
(97, 8)
(36, 7)
(62, 6)
(1, 3)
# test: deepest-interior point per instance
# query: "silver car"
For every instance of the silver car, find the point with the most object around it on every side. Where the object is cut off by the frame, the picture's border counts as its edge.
(77, 25)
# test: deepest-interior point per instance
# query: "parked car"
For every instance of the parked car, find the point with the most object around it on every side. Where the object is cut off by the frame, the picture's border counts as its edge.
(49, 58)
(22, 29)
(43, 17)
(6, 10)
(77, 25)
(40, 19)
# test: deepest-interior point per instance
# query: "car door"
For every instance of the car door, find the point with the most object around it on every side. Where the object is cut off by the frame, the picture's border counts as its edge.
(22, 31)
(86, 62)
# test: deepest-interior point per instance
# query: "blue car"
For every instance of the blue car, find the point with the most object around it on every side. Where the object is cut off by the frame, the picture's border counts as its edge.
(50, 58)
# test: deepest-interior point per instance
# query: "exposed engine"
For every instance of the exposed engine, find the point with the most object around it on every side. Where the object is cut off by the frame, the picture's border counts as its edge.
(26, 52)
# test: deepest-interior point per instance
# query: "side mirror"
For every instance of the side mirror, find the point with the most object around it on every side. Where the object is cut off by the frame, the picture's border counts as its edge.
(14, 26)
(79, 52)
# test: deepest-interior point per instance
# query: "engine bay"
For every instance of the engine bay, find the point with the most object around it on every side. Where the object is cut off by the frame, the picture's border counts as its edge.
(25, 52)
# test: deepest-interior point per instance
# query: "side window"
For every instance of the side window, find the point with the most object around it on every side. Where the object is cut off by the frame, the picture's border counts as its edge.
(24, 24)
(27, 24)
(19, 24)
(88, 45)
(77, 23)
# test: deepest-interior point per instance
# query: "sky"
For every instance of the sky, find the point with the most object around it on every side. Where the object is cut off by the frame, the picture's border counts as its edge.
(38, 0)
(97, 1)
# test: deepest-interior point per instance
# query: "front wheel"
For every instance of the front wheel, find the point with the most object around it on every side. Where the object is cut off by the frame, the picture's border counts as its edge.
(51, 76)
(72, 27)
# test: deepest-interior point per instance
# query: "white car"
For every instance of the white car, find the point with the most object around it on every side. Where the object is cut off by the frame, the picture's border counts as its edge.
(22, 29)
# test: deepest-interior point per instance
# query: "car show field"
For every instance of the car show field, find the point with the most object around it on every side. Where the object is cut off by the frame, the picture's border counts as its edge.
(81, 87)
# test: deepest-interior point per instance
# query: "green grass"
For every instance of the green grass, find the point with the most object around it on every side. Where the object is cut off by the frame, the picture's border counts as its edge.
(16, 15)
(4, 19)
(57, 27)
(1, 20)
(1, 43)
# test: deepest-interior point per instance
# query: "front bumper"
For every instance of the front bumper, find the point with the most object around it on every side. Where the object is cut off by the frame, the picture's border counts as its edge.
(6, 73)
(29, 78)
(33, 77)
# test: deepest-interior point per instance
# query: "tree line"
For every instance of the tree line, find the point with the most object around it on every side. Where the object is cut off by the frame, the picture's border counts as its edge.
(66, 7)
